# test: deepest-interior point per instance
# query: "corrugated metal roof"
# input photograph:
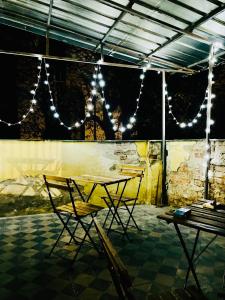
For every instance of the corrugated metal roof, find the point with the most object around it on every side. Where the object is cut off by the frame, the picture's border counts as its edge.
(170, 33)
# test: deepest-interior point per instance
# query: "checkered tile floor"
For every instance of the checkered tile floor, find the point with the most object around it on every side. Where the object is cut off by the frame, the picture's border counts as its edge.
(153, 257)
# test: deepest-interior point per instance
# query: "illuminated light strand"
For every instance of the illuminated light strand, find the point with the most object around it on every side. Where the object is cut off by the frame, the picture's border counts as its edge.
(33, 101)
(132, 120)
(204, 104)
(192, 122)
(209, 121)
(53, 107)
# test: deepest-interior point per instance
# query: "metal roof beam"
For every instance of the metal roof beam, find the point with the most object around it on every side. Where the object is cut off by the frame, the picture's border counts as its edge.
(148, 6)
(154, 20)
(206, 59)
(144, 29)
(48, 26)
(36, 55)
(190, 28)
(129, 5)
(191, 8)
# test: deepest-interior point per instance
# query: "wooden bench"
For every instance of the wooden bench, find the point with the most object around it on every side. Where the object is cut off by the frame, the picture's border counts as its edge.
(124, 283)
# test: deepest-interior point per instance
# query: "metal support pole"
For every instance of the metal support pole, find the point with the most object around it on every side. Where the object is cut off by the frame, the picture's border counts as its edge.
(208, 122)
(164, 200)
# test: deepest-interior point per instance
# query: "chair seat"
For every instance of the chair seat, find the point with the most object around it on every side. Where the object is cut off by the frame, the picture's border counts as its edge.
(82, 208)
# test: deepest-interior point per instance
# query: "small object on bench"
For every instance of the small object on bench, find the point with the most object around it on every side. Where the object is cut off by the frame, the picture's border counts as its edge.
(183, 212)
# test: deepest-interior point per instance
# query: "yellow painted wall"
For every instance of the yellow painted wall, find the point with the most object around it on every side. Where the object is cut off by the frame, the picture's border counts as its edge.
(21, 159)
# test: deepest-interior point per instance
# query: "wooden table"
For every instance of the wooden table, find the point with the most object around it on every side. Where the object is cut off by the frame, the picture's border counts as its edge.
(105, 182)
(201, 219)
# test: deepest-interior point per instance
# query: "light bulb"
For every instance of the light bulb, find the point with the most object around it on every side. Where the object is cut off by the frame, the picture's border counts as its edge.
(190, 124)
(183, 125)
(88, 115)
(31, 109)
(32, 92)
(203, 106)
(144, 70)
(213, 96)
(122, 129)
(132, 120)
(48, 74)
(142, 76)
(24, 116)
(33, 101)
(51, 99)
(46, 82)
(102, 83)
(107, 106)
(69, 128)
(199, 115)
(90, 106)
(169, 98)
(61, 123)
(93, 83)
(137, 99)
(52, 107)
(102, 99)
(47, 65)
(56, 115)
(113, 121)
(36, 84)
(170, 112)
(82, 121)
(39, 67)
(195, 121)
(100, 76)
(94, 91)
(115, 128)
(94, 76)
(39, 58)
(129, 126)
(211, 122)
(9, 124)
(77, 124)
(109, 113)
(207, 130)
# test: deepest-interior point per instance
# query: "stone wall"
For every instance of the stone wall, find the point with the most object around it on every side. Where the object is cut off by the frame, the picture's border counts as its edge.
(22, 164)
(185, 169)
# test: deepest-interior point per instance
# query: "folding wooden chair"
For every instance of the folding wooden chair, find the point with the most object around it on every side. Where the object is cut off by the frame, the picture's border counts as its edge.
(73, 210)
(124, 283)
(126, 202)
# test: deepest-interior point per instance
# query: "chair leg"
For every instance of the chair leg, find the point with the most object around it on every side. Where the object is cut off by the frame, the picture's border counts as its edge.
(131, 216)
(73, 233)
(67, 221)
(86, 230)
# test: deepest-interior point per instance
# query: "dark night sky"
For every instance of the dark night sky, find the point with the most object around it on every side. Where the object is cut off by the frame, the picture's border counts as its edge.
(122, 87)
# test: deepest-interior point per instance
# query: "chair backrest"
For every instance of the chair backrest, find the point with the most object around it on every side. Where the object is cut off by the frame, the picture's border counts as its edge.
(119, 273)
(59, 183)
(134, 171)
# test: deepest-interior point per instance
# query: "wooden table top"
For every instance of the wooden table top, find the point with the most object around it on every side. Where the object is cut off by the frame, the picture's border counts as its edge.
(209, 220)
(102, 180)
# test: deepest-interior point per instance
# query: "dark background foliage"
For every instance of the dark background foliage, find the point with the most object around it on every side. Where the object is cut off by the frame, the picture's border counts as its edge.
(70, 83)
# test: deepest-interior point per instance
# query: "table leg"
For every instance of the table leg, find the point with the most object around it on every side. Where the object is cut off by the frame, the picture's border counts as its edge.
(192, 257)
(190, 263)
(116, 215)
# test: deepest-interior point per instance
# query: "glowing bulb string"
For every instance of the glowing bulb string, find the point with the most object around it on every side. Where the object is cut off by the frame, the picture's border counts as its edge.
(197, 116)
(132, 120)
(53, 107)
(33, 101)
(209, 121)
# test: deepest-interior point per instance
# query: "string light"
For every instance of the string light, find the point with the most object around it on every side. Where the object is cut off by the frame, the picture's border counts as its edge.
(132, 120)
(195, 119)
(33, 101)
(53, 108)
